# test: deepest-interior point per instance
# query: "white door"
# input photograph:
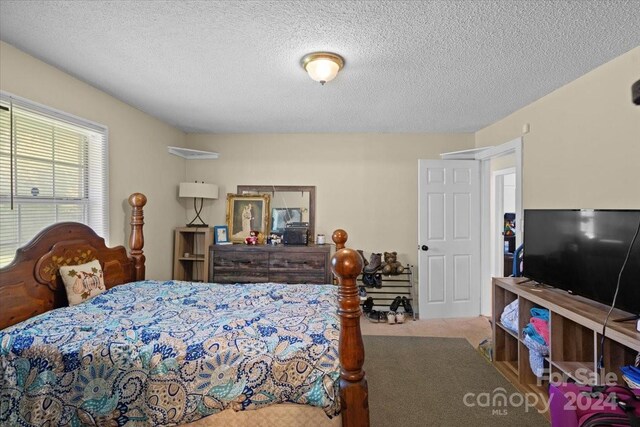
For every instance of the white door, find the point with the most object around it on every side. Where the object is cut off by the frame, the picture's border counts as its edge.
(449, 238)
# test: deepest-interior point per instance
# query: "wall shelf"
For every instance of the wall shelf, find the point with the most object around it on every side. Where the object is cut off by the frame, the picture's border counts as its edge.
(190, 154)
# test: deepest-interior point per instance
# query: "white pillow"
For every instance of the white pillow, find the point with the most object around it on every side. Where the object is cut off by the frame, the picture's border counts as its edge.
(82, 282)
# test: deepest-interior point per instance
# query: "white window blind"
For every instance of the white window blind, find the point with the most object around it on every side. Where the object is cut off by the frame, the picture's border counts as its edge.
(53, 168)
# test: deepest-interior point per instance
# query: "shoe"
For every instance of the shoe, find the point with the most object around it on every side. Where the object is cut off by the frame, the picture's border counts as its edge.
(395, 304)
(374, 263)
(369, 280)
(364, 260)
(362, 292)
(373, 316)
(377, 316)
(407, 306)
(368, 305)
(391, 317)
(399, 317)
(377, 280)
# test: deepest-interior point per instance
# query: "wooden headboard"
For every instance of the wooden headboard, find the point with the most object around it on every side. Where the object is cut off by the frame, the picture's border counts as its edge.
(31, 285)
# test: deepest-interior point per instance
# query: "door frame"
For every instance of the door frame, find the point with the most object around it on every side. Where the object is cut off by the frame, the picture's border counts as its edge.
(497, 219)
(486, 266)
(485, 155)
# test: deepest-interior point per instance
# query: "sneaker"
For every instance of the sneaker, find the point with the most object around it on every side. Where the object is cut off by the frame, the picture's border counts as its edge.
(377, 316)
(373, 316)
(407, 306)
(362, 292)
(367, 306)
(369, 280)
(391, 317)
(395, 304)
(377, 280)
(400, 317)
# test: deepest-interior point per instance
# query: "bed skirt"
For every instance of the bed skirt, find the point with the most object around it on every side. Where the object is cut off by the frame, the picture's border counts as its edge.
(280, 415)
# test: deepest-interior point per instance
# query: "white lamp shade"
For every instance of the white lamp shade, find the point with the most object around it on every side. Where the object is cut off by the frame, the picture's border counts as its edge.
(199, 190)
(322, 70)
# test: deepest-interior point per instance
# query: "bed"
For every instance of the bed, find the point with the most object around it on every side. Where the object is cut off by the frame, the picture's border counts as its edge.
(170, 353)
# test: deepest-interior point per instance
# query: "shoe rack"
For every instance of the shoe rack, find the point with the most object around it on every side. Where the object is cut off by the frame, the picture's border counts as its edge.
(392, 286)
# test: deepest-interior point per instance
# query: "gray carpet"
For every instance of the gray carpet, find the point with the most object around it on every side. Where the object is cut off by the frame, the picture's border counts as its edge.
(415, 381)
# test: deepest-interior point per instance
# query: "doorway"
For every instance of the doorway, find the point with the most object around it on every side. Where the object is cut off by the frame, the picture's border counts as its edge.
(503, 221)
(504, 156)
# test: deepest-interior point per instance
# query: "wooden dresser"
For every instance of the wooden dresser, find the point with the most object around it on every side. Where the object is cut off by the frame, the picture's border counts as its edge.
(265, 263)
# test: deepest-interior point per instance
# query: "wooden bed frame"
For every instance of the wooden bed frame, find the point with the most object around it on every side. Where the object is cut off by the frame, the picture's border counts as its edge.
(31, 285)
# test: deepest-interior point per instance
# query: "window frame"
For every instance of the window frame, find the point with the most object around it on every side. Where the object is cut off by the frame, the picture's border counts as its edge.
(49, 113)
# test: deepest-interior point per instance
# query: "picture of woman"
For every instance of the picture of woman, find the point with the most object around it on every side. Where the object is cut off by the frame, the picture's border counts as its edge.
(246, 214)
(246, 219)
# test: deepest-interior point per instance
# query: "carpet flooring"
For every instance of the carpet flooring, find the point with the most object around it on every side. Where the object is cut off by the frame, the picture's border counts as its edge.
(419, 381)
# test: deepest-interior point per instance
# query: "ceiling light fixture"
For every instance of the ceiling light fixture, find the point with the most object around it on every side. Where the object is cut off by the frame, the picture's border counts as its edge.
(322, 66)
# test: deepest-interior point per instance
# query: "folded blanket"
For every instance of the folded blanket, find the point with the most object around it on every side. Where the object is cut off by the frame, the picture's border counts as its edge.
(541, 327)
(537, 352)
(509, 317)
(541, 313)
(530, 331)
(632, 372)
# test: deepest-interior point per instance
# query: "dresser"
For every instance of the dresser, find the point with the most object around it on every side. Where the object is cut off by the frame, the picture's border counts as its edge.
(266, 263)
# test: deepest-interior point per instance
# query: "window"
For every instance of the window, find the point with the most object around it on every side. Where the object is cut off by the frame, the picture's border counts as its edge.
(53, 168)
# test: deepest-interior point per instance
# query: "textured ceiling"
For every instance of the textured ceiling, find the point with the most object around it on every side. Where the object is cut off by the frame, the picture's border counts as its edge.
(233, 66)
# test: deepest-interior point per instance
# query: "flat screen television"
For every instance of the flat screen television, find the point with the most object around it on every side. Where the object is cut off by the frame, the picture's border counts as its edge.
(582, 251)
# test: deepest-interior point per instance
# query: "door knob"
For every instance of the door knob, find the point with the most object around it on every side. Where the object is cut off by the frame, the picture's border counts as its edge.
(424, 247)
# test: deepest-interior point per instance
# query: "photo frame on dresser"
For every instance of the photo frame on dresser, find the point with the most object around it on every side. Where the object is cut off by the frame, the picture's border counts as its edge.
(221, 235)
(247, 213)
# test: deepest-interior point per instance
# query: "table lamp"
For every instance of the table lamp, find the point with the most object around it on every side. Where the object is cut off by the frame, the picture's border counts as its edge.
(199, 191)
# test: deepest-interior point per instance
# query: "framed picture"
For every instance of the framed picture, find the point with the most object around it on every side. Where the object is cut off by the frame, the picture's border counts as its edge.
(221, 234)
(280, 217)
(246, 213)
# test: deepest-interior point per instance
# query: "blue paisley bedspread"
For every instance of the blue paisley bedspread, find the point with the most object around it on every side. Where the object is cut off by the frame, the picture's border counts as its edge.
(166, 353)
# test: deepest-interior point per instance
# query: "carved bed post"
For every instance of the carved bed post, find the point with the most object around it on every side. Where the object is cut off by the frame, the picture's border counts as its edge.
(347, 265)
(136, 240)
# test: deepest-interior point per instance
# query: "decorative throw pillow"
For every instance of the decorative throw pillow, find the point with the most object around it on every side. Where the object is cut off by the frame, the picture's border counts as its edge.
(82, 282)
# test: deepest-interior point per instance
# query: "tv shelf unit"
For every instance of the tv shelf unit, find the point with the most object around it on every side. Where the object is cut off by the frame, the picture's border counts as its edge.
(575, 331)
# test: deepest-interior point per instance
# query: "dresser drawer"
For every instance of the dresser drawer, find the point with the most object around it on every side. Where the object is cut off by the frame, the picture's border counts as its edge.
(239, 267)
(298, 262)
(228, 261)
(265, 263)
(255, 276)
(299, 277)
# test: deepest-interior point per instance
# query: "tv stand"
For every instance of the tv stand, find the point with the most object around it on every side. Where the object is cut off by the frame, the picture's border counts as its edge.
(628, 318)
(575, 331)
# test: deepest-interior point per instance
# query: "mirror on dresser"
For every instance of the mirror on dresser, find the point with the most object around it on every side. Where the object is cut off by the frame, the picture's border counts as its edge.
(288, 203)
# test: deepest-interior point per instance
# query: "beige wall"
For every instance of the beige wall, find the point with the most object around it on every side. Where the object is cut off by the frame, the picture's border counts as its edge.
(583, 149)
(502, 162)
(365, 183)
(138, 158)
